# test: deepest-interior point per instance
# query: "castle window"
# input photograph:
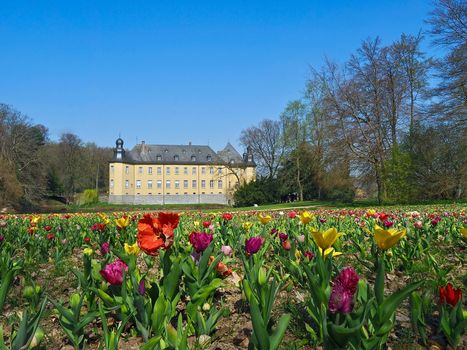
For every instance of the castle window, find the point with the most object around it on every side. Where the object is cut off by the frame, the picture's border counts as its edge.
(149, 183)
(176, 157)
(185, 184)
(138, 183)
(176, 170)
(177, 184)
(158, 157)
(193, 183)
(219, 171)
(167, 184)
(111, 183)
(185, 170)
(211, 183)
(140, 170)
(112, 169)
(127, 169)
(203, 183)
(203, 170)
(159, 170)
(159, 184)
(193, 170)
(150, 170)
(167, 170)
(209, 158)
(127, 183)
(219, 184)
(166, 150)
(211, 170)
(193, 158)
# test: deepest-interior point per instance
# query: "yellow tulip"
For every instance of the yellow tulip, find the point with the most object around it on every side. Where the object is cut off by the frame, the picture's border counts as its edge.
(196, 223)
(371, 212)
(87, 251)
(35, 219)
(123, 222)
(329, 251)
(247, 226)
(264, 219)
(464, 232)
(306, 217)
(104, 218)
(385, 239)
(326, 239)
(131, 249)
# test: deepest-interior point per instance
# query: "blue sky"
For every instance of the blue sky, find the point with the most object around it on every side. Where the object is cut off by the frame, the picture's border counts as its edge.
(171, 72)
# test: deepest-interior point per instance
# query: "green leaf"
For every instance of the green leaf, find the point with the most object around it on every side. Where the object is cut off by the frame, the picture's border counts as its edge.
(390, 304)
(279, 332)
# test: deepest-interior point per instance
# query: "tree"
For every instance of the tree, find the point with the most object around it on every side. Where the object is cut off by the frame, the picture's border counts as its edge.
(267, 145)
(71, 158)
(449, 30)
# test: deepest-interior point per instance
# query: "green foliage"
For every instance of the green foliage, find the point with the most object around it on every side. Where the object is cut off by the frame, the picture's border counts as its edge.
(398, 170)
(89, 196)
(261, 191)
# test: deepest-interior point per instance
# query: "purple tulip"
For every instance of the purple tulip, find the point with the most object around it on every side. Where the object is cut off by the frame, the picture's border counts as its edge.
(322, 220)
(387, 223)
(253, 244)
(341, 300)
(343, 290)
(227, 250)
(283, 236)
(105, 248)
(141, 287)
(309, 254)
(200, 240)
(113, 273)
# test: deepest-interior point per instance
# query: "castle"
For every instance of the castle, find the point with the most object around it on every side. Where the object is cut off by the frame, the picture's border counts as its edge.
(177, 174)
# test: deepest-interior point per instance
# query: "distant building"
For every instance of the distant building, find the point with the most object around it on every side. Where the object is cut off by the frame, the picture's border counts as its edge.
(172, 174)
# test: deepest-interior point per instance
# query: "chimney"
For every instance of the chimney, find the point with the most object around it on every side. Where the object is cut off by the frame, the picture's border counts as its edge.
(143, 147)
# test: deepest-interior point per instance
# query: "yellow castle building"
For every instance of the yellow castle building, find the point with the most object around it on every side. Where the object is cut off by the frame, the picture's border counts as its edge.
(177, 174)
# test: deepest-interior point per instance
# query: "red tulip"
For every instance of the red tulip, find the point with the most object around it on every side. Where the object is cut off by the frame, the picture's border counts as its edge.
(156, 233)
(450, 295)
(227, 216)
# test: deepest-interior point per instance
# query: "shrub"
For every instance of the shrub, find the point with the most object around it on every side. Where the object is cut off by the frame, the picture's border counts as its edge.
(89, 196)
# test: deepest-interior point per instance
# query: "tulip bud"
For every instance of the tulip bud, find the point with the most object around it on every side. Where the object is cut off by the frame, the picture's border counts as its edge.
(262, 278)
(206, 307)
(28, 292)
(36, 340)
(75, 300)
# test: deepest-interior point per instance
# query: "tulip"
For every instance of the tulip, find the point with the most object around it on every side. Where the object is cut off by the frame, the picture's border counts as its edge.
(206, 224)
(123, 222)
(200, 240)
(113, 273)
(104, 218)
(247, 226)
(156, 233)
(292, 214)
(343, 290)
(253, 245)
(418, 224)
(286, 245)
(264, 219)
(227, 250)
(322, 220)
(131, 249)
(450, 295)
(388, 223)
(50, 236)
(283, 236)
(306, 217)
(47, 228)
(385, 239)
(464, 232)
(325, 239)
(227, 216)
(105, 248)
(88, 251)
(141, 287)
(301, 238)
(310, 255)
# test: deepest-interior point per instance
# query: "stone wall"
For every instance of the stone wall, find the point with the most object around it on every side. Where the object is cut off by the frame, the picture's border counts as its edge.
(170, 199)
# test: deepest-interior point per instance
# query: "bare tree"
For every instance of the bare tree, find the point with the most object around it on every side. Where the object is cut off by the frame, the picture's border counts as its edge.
(449, 30)
(267, 146)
